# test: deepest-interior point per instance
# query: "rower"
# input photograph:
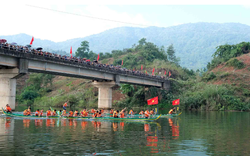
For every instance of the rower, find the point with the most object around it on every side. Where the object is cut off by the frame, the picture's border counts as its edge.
(122, 115)
(152, 112)
(54, 113)
(95, 114)
(64, 113)
(100, 113)
(71, 113)
(76, 113)
(83, 113)
(111, 112)
(37, 112)
(141, 112)
(131, 112)
(48, 113)
(41, 112)
(59, 113)
(147, 114)
(29, 109)
(8, 109)
(25, 112)
(171, 111)
(115, 114)
(92, 111)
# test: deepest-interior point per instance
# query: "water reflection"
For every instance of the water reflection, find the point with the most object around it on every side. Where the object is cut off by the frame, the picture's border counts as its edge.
(84, 124)
(26, 123)
(174, 128)
(206, 133)
(7, 122)
(38, 122)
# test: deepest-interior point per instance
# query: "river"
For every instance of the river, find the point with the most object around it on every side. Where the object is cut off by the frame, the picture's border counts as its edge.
(191, 133)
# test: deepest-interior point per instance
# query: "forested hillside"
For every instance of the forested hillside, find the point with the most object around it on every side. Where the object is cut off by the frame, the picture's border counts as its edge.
(194, 43)
(224, 85)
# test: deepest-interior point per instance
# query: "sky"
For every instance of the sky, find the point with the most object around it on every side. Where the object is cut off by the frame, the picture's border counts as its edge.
(67, 19)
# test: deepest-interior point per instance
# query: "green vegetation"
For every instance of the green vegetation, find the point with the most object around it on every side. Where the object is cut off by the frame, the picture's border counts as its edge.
(235, 63)
(195, 89)
(38, 85)
(226, 52)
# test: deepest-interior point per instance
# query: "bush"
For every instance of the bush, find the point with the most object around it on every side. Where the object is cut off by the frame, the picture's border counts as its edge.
(235, 63)
(209, 76)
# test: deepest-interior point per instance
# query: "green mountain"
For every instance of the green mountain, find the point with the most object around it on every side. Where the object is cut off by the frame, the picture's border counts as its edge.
(194, 43)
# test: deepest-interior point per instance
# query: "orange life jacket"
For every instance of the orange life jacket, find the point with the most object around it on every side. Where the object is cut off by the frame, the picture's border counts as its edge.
(28, 113)
(171, 111)
(122, 115)
(65, 105)
(111, 111)
(70, 113)
(48, 113)
(147, 113)
(95, 115)
(131, 112)
(37, 113)
(151, 112)
(83, 113)
(141, 113)
(25, 112)
(92, 111)
(8, 108)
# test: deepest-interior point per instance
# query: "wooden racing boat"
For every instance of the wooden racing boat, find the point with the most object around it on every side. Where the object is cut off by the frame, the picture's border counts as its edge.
(97, 118)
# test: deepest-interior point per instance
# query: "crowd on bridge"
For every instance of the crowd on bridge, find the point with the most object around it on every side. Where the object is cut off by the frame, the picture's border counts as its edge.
(82, 61)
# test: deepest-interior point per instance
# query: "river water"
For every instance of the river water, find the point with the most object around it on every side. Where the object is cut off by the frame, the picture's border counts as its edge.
(191, 133)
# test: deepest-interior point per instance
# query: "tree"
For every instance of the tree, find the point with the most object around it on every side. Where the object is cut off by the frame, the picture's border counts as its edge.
(127, 89)
(171, 55)
(142, 41)
(83, 50)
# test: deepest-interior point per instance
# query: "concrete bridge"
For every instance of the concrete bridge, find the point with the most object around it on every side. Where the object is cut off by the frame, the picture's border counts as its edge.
(14, 64)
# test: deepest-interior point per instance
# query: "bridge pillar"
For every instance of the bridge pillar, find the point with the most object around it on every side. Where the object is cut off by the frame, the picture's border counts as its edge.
(104, 94)
(8, 87)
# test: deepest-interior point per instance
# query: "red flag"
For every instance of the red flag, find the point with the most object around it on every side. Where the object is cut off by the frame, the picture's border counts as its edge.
(153, 70)
(153, 101)
(176, 102)
(32, 40)
(71, 51)
(122, 62)
(98, 57)
(141, 67)
(169, 73)
(165, 72)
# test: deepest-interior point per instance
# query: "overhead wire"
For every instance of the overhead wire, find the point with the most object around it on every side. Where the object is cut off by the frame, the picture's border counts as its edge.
(70, 13)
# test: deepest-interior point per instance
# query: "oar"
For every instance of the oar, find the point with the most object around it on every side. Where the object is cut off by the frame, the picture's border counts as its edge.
(179, 114)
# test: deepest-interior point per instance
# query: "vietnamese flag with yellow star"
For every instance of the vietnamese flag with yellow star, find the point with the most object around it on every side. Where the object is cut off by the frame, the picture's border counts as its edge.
(176, 102)
(153, 101)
